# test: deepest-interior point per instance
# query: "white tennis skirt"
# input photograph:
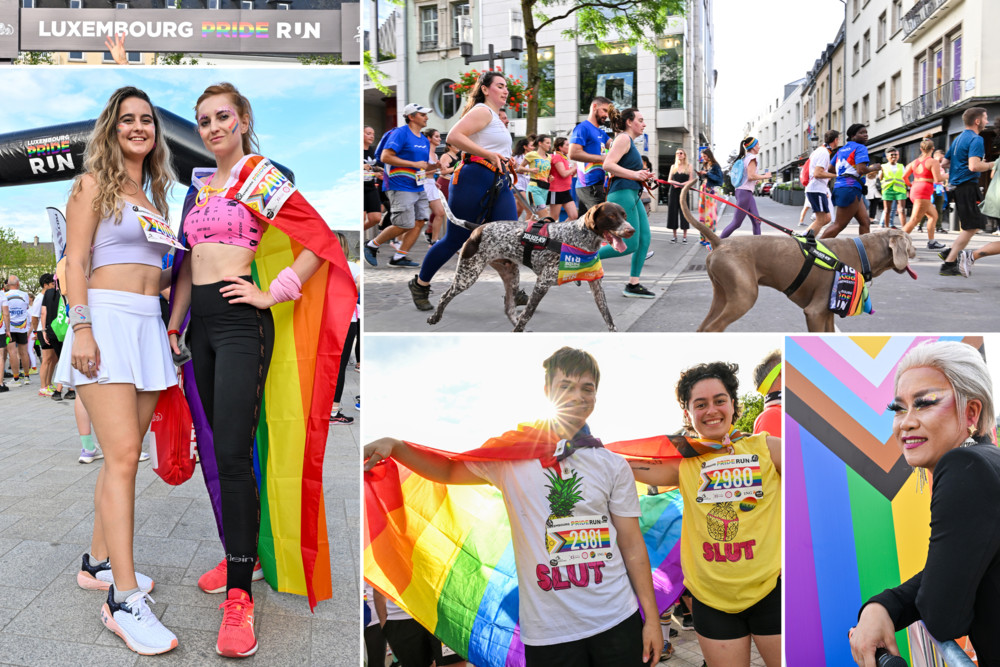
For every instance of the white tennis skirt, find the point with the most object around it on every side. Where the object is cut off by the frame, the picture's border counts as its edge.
(132, 341)
(431, 188)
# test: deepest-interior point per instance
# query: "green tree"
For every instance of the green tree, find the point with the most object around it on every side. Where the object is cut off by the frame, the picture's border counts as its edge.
(176, 58)
(26, 262)
(751, 405)
(632, 21)
(34, 58)
(321, 59)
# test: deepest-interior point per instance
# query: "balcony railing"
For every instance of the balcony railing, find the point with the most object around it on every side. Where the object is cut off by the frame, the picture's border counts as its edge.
(921, 11)
(929, 103)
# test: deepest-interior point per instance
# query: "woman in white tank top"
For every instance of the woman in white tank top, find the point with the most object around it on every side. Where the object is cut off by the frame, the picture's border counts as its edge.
(479, 191)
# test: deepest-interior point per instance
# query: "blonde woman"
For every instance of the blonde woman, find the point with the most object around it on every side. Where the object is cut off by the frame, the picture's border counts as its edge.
(119, 358)
(680, 172)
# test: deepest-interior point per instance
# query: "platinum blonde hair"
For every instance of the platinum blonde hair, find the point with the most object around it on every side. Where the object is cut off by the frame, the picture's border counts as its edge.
(966, 371)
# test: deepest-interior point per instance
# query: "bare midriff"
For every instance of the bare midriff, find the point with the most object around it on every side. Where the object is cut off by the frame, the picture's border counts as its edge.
(211, 262)
(133, 278)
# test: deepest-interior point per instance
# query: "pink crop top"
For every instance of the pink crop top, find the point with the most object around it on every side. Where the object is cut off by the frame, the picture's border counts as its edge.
(125, 242)
(222, 221)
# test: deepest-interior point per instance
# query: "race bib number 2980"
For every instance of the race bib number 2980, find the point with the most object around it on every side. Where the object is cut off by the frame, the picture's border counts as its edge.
(728, 478)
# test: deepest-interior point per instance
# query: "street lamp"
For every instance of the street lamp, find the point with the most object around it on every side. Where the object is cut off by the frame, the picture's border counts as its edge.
(516, 47)
(843, 108)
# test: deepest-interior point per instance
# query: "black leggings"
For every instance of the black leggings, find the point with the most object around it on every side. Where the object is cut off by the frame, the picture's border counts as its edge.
(231, 348)
(345, 356)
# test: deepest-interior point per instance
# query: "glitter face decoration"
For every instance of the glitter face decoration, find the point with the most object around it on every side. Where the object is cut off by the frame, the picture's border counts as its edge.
(926, 423)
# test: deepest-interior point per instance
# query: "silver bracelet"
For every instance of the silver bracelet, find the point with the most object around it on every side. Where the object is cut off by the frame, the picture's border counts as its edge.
(79, 315)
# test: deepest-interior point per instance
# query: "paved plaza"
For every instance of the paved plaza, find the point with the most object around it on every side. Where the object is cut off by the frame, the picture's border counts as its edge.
(46, 514)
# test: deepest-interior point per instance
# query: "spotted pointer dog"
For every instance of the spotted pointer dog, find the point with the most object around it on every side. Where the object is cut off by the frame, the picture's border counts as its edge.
(498, 244)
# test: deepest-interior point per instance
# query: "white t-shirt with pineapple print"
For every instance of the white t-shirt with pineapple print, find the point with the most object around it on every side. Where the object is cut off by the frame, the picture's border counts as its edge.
(572, 582)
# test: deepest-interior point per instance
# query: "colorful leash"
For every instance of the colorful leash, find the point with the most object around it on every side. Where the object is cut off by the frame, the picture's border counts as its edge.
(725, 201)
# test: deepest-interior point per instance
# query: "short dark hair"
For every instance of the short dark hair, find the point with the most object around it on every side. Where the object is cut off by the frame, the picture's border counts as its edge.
(558, 143)
(723, 371)
(45, 279)
(600, 100)
(972, 114)
(766, 366)
(831, 136)
(854, 129)
(573, 363)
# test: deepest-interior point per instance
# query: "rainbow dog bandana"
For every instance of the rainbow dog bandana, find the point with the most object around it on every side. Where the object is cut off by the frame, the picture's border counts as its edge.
(577, 264)
(849, 295)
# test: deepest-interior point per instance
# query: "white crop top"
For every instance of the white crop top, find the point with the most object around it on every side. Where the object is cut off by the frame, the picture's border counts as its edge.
(494, 137)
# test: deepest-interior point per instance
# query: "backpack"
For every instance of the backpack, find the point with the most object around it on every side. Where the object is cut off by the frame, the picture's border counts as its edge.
(61, 321)
(804, 177)
(738, 173)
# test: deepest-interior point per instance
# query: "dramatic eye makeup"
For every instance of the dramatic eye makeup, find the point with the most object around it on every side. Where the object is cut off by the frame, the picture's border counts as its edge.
(928, 400)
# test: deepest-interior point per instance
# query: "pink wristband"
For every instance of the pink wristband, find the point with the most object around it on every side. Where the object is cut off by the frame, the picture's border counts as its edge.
(287, 286)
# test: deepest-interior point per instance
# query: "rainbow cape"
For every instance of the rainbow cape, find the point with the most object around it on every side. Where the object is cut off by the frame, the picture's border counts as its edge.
(298, 395)
(443, 553)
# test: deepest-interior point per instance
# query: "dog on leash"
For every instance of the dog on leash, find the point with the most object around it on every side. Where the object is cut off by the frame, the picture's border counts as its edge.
(738, 265)
(498, 244)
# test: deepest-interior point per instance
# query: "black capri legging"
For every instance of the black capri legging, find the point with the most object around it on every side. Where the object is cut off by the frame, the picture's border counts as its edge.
(345, 356)
(231, 348)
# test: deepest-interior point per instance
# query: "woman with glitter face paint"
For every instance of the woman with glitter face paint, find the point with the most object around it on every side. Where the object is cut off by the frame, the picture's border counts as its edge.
(231, 337)
(944, 423)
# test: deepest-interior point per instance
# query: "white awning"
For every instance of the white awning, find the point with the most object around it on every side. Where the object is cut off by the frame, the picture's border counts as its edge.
(905, 139)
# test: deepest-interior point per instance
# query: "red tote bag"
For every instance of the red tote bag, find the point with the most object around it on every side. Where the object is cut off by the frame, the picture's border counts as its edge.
(172, 446)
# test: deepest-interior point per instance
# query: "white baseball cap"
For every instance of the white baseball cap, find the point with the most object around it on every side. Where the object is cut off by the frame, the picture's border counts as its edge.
(413, 107)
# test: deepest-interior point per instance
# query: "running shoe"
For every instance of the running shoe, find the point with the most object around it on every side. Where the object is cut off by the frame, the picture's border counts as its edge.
(98, 577)
(133, 621)
(57, 395)
(935, 245)
(89, 456)
(944, 255)
(3, 388)
(214, 581)
(45, 391)
(396, 243)
(949, 269)
(27, 379)
(637, 291)
(521, 298)
(404, 262)
(371, 255)
(673, 240)
(965, 261)
(341, 418)
(650, 254)
(357, 402)
(143, 456)
(16, 382)
(70, 395)
(236, 638)
(420, 294)
(684, 240)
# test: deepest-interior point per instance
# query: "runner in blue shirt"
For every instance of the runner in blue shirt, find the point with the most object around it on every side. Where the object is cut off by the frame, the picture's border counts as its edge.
(850, 163)
(966, 155)
(588, 145)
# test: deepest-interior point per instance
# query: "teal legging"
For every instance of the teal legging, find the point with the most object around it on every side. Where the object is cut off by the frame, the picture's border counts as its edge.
(638, 245)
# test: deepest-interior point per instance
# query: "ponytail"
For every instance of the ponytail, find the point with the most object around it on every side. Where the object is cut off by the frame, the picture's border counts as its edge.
(746, 145)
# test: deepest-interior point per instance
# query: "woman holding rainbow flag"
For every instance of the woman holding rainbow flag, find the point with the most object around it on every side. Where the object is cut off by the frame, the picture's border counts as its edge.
(731, 529)
(244, 222)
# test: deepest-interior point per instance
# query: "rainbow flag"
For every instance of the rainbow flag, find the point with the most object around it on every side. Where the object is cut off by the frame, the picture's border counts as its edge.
(577, 264)
(855, 522)
(298, 394)
(443, 553)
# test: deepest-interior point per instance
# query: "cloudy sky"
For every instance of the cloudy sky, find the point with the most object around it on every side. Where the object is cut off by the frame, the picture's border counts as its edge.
(300, 115)
(759, 47)
(423, 394)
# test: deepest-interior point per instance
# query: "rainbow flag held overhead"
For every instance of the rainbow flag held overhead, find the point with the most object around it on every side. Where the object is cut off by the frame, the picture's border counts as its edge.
(294, 419)
(855, 521)
(443, 553)
(577, 264)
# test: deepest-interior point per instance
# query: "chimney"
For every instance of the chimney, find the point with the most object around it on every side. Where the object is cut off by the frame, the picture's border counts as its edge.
(36, 241)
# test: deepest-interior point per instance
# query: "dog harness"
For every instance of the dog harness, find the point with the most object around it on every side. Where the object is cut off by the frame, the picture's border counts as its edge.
(536, 237)
(849, 295)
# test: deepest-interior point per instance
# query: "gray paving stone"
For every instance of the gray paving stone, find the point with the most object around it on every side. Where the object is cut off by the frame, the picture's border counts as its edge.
(283, 643)
(16, 597)
(333, 641)
(63, 611)
(171, 552)
(34, 564)
(32, 652)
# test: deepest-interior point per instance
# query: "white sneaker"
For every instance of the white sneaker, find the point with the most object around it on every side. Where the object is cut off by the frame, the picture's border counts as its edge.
(98, 577)
(965, 261)
(143, 456)
(133, 621)
(89, 456)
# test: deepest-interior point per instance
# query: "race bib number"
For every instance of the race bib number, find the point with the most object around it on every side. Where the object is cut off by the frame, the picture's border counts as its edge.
(265, 190)
(730, 478)
(577, 539)
(156, 228)
(576, 264)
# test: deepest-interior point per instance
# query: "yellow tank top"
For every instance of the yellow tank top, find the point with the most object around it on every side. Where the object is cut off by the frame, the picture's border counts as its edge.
(731, 532)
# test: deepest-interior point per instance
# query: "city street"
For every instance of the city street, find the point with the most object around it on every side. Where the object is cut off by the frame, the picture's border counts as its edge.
(46, 515)
(676, 274)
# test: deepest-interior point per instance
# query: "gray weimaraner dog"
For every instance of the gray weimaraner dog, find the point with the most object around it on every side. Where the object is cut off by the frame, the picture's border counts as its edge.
(498, 244)
(738, 264)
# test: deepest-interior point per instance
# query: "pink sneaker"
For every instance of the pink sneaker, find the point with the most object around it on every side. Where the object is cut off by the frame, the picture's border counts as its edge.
(214, 581)
(236, 636)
